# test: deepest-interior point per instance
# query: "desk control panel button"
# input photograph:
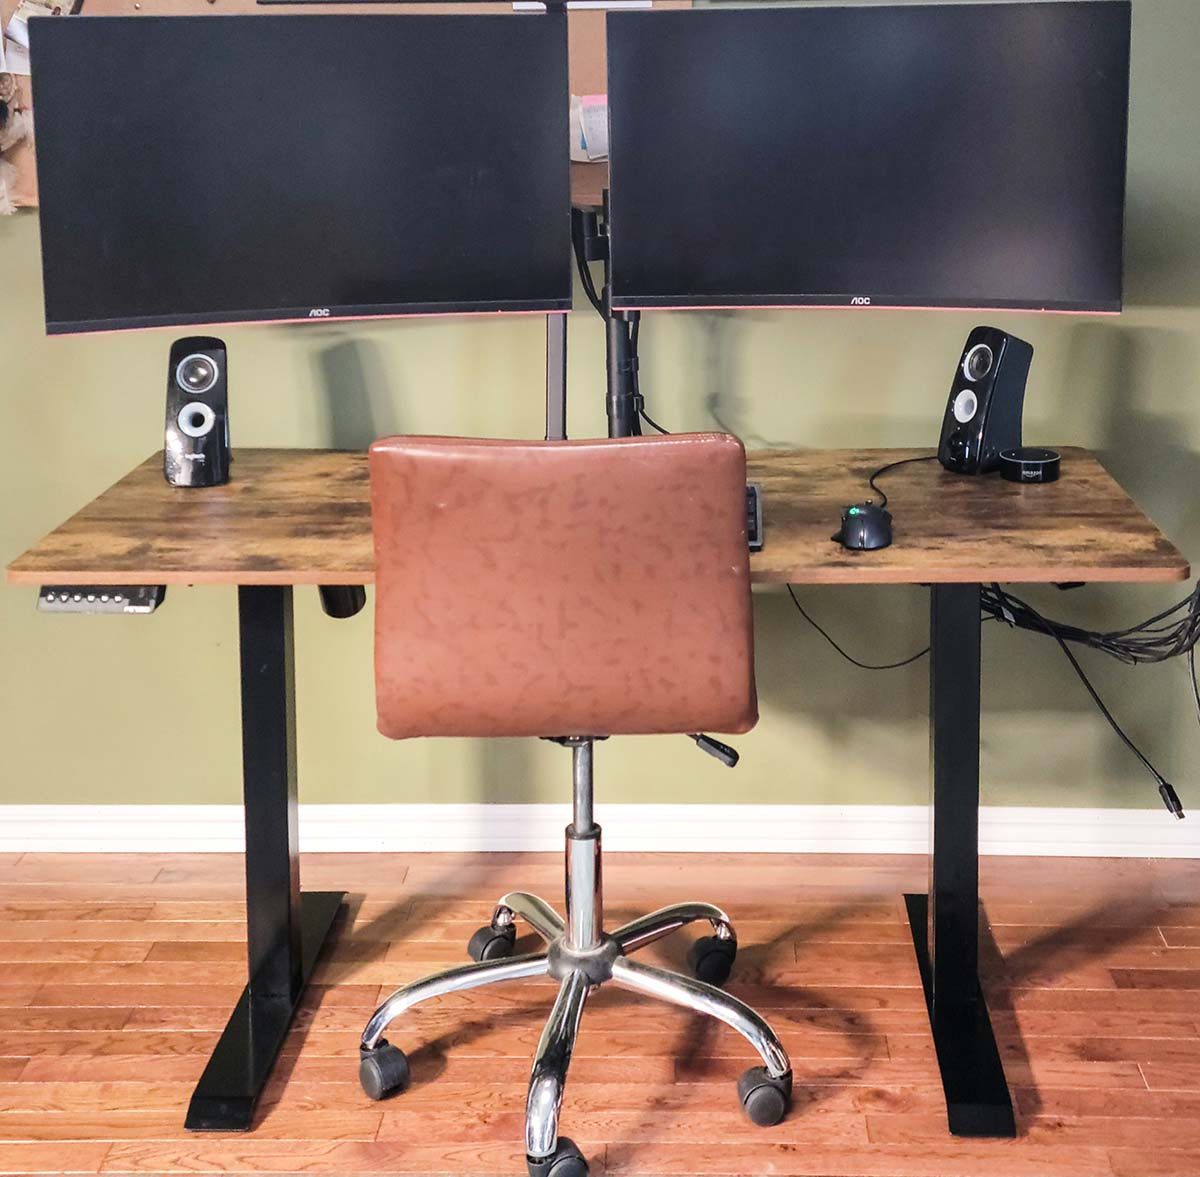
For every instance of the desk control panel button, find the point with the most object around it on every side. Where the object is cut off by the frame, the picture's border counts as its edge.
(138, 598)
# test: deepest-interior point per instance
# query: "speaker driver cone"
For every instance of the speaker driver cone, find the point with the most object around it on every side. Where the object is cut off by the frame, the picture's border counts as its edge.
(197, 373)
(977, 363)
(196, 419)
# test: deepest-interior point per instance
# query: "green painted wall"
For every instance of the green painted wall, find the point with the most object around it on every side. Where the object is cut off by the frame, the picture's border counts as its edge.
(99, 710)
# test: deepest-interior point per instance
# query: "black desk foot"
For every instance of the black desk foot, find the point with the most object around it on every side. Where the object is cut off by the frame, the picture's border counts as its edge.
(977, 1098)
(225, 1097)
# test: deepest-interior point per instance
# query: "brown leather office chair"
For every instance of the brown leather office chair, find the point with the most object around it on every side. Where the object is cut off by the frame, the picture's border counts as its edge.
(572, 590)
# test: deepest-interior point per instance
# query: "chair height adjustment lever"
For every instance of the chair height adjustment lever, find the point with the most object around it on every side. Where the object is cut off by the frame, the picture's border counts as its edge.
(723, 752)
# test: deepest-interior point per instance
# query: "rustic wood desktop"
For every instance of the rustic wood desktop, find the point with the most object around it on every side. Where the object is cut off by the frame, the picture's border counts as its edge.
(296, 517)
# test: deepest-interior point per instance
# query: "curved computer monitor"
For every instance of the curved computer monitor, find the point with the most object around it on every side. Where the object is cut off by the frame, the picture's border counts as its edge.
(220, 169)
(957, 155)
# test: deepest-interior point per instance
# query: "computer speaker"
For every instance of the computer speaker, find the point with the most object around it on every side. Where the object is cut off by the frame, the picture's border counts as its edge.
(196, 450)
(983, 414)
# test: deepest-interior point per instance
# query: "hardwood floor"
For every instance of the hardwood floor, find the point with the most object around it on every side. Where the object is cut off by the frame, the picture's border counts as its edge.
(117, 973)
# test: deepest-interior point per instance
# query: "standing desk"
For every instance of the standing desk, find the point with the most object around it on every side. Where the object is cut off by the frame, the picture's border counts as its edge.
(297, 517)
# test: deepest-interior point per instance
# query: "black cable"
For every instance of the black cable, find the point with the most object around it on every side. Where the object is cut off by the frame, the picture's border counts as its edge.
(1166, 791)
(1167, 634)
(892, 466)
(653, 423)
(585, 273)
(634, 331)
(849, 657)
(1195, 685)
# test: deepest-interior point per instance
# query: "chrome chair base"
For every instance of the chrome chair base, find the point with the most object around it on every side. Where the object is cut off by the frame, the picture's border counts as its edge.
(765, 1090)
(581, 956)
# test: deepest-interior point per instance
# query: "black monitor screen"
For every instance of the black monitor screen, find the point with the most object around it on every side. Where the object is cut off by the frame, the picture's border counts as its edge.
(230, 168)
(957, 155)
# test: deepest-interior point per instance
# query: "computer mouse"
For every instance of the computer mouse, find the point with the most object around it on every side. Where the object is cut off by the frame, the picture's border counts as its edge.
(865, 527)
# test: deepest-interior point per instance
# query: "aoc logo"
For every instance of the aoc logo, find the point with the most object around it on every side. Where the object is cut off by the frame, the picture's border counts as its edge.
(319, 313)
(860, 302)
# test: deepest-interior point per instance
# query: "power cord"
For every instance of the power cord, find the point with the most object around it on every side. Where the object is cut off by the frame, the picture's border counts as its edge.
(892, 466)
(579, 244)
(639, 400)
(850, 657)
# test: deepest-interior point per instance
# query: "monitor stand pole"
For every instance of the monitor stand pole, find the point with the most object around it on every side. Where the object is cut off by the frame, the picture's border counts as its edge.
(622, 404)
(556, 377)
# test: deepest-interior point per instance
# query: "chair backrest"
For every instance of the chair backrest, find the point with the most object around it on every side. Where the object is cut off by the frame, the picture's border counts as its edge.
(555, 588)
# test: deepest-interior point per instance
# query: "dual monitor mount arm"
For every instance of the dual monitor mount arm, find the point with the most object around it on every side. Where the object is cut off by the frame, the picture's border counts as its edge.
(589, 232)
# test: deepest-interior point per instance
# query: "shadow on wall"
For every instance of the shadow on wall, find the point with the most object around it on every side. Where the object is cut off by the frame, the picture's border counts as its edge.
(720, 350)
(1158, 272)
(360, 401)
(1145, 449)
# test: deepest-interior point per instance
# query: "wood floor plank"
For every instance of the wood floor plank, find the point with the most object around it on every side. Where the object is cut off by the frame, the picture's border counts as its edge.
(127, 1068)
(1157, 978)
(996, 1159)
(37, 910)
(16, 996)
(1106, 1131)
(1182, 1001)
(72, 994)
(85, 1044)
(72, 951)
(1140, 1162)
(28, 1019)
(141, 930)
(249, 1155)
(1077, 1101)
(1070, 1049)
(1171, 1076)
(53, 1157)
(343, 1123)
(101, 869)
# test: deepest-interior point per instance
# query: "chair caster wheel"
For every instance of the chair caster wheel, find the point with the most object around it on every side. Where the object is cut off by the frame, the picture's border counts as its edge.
(492, 943)
(382, 1071)
(764, 1100)
(711, 959)
(564, 1161)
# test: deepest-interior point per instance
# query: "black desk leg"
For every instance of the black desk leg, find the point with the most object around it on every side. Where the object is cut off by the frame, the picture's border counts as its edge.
(945, 924)
(285, 931)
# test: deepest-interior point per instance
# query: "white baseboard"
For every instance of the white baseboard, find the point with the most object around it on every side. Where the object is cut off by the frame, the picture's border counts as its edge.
(853, 829)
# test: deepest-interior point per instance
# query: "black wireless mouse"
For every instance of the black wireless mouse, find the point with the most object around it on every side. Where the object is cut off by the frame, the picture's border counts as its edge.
(865, 527)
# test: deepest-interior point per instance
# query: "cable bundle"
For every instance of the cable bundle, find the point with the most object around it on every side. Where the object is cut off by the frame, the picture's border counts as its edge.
(1165, 635)
(1168, 634)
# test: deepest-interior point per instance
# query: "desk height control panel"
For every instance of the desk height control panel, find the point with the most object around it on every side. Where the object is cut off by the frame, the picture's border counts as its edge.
(754, 526)
(100, 598)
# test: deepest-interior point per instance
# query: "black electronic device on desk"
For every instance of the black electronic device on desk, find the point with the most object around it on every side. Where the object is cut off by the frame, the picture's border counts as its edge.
(196, 444)
(923, 155)
(429, 173)
(987, 397)
(1030, 464)
(865, 527)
